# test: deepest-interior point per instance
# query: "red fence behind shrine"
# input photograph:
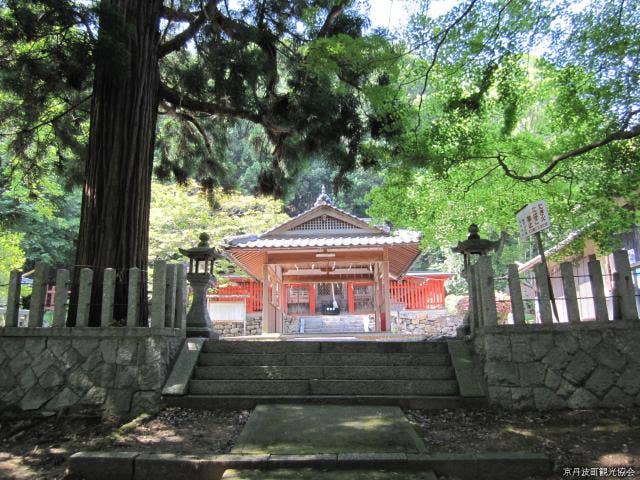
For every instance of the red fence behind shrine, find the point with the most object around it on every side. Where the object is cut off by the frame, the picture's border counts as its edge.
(412, 292)
(418, 293)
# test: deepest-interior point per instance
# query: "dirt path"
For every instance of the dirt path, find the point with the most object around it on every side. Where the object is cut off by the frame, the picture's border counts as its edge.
(37, 448)
(573, 439)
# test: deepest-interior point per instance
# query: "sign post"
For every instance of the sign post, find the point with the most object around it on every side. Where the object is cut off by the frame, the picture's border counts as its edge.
(532, 219)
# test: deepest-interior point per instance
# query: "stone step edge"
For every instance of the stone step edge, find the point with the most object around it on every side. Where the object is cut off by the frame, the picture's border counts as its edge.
(234, 402)
(139, 465)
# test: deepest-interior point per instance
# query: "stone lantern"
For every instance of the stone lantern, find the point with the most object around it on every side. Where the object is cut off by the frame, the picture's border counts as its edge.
(473, 245)
(200, 277)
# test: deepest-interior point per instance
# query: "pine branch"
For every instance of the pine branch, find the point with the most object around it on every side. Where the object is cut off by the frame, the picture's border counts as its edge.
(179, 99)
(48, 121)
(186, 117)
(334, 13)
(172, 14)
(183, 37)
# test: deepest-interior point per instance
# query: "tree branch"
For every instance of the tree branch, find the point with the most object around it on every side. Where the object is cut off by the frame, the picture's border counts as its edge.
(184, 116)
(613, 137)
(480, 178)
(434, 58)
(181, 100)
(334, 13)
(172, 14)
(183, 37)
(48, 121)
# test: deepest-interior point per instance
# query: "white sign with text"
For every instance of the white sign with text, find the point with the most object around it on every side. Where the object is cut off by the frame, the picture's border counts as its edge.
(533, 218)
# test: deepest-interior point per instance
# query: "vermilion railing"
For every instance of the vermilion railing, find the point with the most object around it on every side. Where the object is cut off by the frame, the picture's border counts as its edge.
(418, 293)
(413, 293)
(247, 289)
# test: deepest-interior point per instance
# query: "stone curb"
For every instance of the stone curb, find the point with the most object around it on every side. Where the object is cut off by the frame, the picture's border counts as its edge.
(183, 367)
(140, 466)
(103, 465)
(560, 327)
(123, 332)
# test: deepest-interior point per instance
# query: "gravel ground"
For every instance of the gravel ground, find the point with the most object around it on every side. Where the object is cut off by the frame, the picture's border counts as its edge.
(573, 439)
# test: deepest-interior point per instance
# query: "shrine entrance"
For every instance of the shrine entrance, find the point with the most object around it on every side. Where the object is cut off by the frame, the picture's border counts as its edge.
(325, 262)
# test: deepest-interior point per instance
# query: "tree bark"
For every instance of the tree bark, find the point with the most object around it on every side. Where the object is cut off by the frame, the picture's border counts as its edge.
(114, 224)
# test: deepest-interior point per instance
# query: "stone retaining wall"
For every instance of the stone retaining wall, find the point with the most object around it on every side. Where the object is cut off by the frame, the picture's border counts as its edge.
(291, 324)
(431, 323)
(232, 328)
(575, 366)
(115, 370)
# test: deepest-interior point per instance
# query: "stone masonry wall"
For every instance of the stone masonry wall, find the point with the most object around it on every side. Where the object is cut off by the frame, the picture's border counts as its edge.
(291, 324)
(556, 366)
(116, 370)
(431, 323)
(231, 328)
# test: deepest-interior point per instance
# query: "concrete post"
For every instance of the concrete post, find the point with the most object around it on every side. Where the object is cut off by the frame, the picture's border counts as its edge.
(597, 290)
(133, 298)
(170, 296)
(570, 297)
(38, 292)
(181, 297)
(108, 295)
(84, 297)
(13, 299)
(158, 300)
(624, 287)
(62, 295)
(487, 292)
(544, 297)
(515, 292)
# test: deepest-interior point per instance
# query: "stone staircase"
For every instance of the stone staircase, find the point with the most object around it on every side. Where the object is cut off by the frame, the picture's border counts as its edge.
(334, 324)
(242, 374)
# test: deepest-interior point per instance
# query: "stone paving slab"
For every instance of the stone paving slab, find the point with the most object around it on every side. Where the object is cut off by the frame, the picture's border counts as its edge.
(318, 429)
(312, 474)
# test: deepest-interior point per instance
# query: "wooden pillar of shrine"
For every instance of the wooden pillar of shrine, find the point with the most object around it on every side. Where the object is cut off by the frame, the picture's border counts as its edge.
(386, 297)
(377, 294)
(266, 301)
(279, 305)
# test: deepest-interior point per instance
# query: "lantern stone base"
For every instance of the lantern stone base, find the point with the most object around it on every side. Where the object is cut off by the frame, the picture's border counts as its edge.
(202, 332)
(198, 321)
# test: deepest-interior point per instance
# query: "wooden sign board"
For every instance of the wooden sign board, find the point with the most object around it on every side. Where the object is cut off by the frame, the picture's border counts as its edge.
(533, 218)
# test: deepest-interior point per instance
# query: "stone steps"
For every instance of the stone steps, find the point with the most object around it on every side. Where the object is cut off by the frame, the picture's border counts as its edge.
(323, 387)
(326, 359)
(256, 347)
(242, 374)
(275, 372)
(324, 324)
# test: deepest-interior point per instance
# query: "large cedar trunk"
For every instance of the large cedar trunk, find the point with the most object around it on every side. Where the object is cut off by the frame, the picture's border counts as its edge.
(114, 225)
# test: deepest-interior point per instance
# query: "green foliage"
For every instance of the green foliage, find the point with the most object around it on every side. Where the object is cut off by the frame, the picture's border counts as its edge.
(491, 107)
(11, 258)
(180, 214)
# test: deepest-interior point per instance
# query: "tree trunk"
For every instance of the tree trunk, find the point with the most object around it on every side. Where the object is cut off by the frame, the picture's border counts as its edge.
(114, 224)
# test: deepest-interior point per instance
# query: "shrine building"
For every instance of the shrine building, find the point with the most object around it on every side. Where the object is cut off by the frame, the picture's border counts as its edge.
(327, 261)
